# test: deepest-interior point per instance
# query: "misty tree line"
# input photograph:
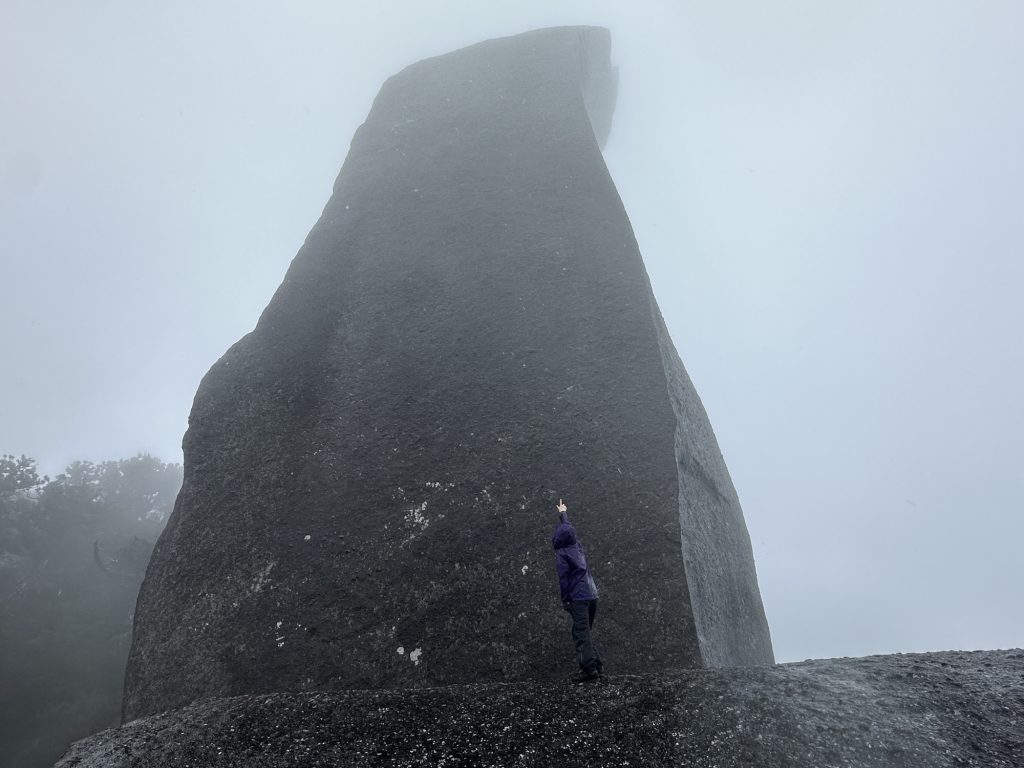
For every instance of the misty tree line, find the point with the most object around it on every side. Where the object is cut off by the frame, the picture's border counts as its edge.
(73, 551)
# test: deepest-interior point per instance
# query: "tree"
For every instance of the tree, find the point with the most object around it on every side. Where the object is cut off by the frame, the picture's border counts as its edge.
(18, 474)
(73, 551)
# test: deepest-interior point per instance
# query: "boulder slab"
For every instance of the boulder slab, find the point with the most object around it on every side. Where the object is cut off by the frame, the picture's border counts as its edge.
(904, 711)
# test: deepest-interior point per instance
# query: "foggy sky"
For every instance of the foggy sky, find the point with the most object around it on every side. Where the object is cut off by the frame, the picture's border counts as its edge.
(828, 198)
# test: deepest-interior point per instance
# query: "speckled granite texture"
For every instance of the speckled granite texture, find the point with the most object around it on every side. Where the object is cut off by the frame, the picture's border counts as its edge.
(467, 335)
(906, 711)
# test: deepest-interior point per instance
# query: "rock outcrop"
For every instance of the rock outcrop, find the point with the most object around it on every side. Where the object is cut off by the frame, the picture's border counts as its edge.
(933, 709)
(467, 335)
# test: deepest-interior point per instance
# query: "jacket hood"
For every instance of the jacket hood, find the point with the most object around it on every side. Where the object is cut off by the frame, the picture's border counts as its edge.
(565, 534)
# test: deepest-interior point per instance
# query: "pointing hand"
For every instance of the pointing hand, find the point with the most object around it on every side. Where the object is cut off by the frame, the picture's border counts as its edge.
(561, 507)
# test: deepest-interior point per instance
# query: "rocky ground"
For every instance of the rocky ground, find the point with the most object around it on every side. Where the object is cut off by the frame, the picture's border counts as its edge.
(920, 710)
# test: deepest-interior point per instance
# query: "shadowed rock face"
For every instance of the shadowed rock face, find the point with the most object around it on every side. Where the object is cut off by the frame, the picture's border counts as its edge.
(467, 335)
(934, 710)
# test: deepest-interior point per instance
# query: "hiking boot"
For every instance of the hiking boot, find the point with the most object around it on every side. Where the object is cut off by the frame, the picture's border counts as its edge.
(587, 677)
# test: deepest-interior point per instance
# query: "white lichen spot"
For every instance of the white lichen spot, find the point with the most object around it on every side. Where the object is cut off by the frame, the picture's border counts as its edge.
(278, 625)
(416, 520)
(401, 651)
(525, 569)
(307, 538)
(261, 578)
(414, 656)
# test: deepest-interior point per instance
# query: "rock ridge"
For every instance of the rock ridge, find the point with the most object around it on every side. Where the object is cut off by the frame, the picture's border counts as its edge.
(913, 710)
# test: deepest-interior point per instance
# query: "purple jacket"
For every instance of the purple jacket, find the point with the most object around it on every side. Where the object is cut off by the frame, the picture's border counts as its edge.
(574, 579)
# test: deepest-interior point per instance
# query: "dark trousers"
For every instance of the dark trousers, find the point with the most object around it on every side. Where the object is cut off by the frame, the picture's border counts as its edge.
(583, 613)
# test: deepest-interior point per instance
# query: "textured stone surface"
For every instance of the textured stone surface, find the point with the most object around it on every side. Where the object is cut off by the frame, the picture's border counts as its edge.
(467, 335)
(934, 710)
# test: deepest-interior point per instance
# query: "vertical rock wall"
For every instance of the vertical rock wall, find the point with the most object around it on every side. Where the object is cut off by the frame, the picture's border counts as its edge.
(467, 335)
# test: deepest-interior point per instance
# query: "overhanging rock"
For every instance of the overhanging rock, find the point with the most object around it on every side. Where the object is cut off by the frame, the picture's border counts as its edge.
(467, 335)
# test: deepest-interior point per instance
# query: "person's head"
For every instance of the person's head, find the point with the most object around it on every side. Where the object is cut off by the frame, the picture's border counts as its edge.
(565, 536)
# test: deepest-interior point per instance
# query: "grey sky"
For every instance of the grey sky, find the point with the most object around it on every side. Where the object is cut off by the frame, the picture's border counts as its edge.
(828, 198)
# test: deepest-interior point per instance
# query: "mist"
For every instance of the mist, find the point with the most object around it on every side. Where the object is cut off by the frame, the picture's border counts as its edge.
(827, 200)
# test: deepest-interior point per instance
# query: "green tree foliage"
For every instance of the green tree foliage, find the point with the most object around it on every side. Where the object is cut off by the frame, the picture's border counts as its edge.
(18, 474)
(73, 551)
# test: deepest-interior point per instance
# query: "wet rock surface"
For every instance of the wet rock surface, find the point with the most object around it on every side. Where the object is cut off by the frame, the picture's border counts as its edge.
(467, 335)
(914, 710)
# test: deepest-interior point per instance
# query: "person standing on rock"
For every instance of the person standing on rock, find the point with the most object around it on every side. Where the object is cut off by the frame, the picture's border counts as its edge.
(579, 594)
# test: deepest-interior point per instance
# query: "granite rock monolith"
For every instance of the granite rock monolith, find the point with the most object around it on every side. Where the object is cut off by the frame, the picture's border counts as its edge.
(467, 335)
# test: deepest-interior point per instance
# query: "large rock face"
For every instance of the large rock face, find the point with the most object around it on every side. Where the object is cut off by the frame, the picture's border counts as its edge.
(467, 335)
(933, 710)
